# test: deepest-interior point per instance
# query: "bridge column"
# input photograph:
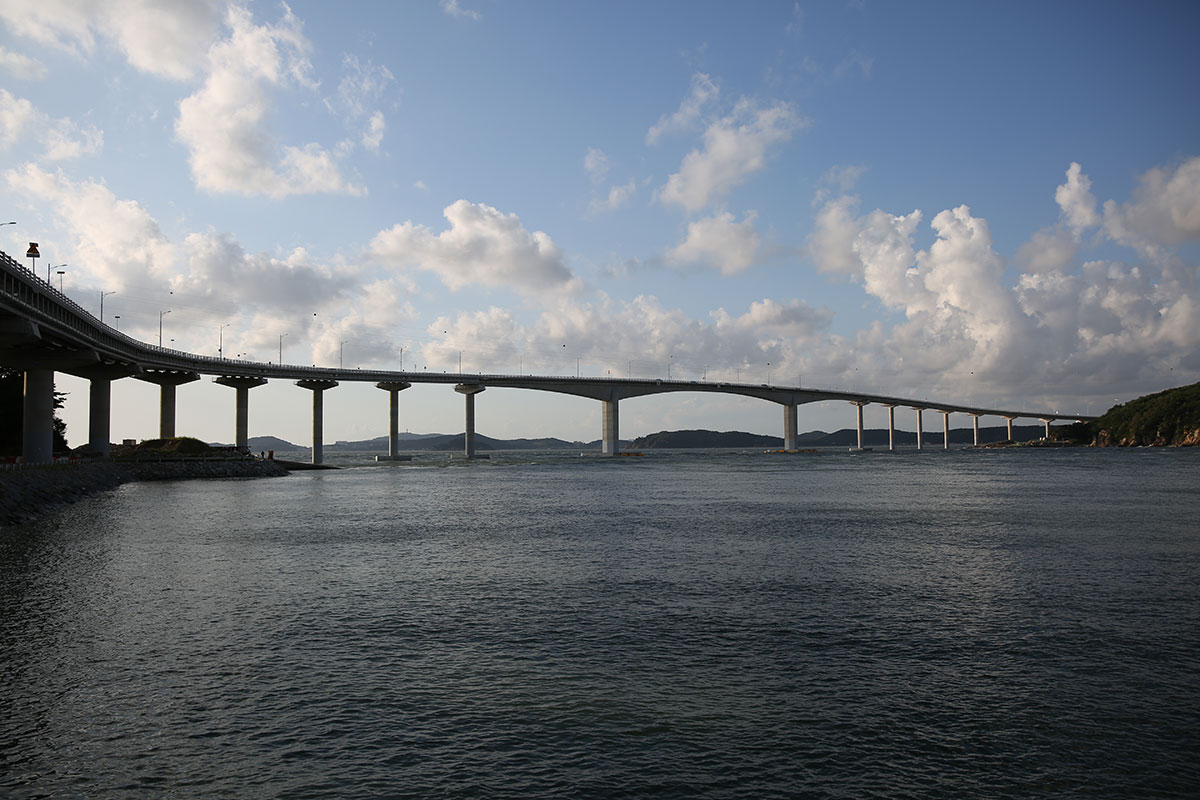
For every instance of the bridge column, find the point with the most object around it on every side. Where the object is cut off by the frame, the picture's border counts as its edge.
(945, 430)
(318, 388)
(243, 385)
(1047, 422)
(975, 421)
(858, 405)
(469, 390)
(37, 417)
(167, 380)
(1009, 420)
(891, 428)
(920, 433)
(99, 415)
(610, 427)
(790, 424)
(393, 388)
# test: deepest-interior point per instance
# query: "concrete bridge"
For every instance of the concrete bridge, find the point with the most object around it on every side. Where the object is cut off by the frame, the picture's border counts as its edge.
(42, 332)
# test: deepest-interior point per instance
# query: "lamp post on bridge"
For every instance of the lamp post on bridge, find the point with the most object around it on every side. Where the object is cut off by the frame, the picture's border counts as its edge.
(341, 347)
(60, 274)
(48, 268)
(118, 322)
(221, 340)
(281, 348)
(160, 316)
(104, 294)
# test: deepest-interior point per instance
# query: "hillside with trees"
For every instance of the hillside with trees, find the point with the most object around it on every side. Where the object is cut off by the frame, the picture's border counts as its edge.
(1170, 418)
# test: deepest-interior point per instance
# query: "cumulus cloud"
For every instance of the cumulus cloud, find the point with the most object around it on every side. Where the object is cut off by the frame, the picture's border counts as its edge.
(735, 147)
(167, 38)
(17, 115)
(1076, 200)
(719, 242)
(702, 92)
(21, 65)
(617, 197)
(482, 247)
(1165, 209)
(224, 124)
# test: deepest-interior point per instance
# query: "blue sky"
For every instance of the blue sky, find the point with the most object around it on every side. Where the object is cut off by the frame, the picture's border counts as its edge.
(986, 203)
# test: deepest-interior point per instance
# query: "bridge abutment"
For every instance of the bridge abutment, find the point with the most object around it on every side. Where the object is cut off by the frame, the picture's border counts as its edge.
(243, 385)
(318, 387)
(393, 388)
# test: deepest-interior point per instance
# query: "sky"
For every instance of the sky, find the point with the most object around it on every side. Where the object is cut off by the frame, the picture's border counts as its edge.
(994, 204)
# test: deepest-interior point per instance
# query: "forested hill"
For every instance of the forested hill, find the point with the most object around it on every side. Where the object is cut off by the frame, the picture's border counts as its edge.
(1170, 418)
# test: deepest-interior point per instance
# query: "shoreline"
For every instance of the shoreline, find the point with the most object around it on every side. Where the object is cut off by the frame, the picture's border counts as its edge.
(29, 494)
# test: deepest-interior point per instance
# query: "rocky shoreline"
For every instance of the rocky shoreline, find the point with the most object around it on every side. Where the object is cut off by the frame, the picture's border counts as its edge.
(29, 494)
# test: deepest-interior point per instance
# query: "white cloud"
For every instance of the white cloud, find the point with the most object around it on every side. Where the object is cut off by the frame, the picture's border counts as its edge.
(60, 139)
(596, 164)
(482, 247)
(225, 123)
(167, 38)
(373, 136)
(1076, 200)
(617, 197)
(734, 148)
(702, 92)
(452, 8)
(21, 65)
(1165, 209)
(17, 115)
(719, 242)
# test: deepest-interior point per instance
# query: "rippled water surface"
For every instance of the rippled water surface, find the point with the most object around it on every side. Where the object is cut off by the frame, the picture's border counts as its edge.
(973, 623)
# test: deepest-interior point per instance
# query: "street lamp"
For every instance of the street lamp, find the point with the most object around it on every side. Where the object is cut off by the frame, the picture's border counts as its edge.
(670, 358)
(60, 274)
(402, 358)
(160, 316)
(221, 340)
(118, 323)
(104, 294)
(281, 347)
(341, 347)
(48, 268)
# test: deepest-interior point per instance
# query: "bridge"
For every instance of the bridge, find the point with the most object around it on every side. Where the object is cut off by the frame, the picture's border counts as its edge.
(42, 331)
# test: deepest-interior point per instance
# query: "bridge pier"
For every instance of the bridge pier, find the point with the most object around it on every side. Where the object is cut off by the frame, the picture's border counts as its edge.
(975, 422)
(920, 432)
(1009, 420)
(891, 428)
(318, 388)
(791, 420)
(167, 380)
(393, 388)
(99, 415)
(610, 427)
(1047, 422)
(37, 417)
(945, 430)
(469, 390)
(243, 385)
(858, 405)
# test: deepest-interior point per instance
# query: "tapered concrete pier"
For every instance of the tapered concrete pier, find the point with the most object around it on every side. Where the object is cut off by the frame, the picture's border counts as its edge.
(317, 387)
(469, 390)
(975, 424)
(920, 432)
(1009, 420)
(243, 385)
(167, 380)
(393, 388)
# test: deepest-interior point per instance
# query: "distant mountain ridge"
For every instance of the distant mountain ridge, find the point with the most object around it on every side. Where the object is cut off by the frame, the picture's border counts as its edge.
(685, 439)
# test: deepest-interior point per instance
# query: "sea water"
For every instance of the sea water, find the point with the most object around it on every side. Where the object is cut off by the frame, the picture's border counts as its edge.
(974, 623)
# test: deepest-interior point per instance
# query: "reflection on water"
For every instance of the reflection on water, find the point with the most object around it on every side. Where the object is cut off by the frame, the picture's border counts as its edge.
(974, 623)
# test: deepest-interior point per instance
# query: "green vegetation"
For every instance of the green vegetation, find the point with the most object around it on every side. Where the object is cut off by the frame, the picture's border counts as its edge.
(1165, 418)
(177, 446)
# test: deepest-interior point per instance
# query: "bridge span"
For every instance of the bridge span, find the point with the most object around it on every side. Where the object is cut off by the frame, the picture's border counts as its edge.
(42, 331)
